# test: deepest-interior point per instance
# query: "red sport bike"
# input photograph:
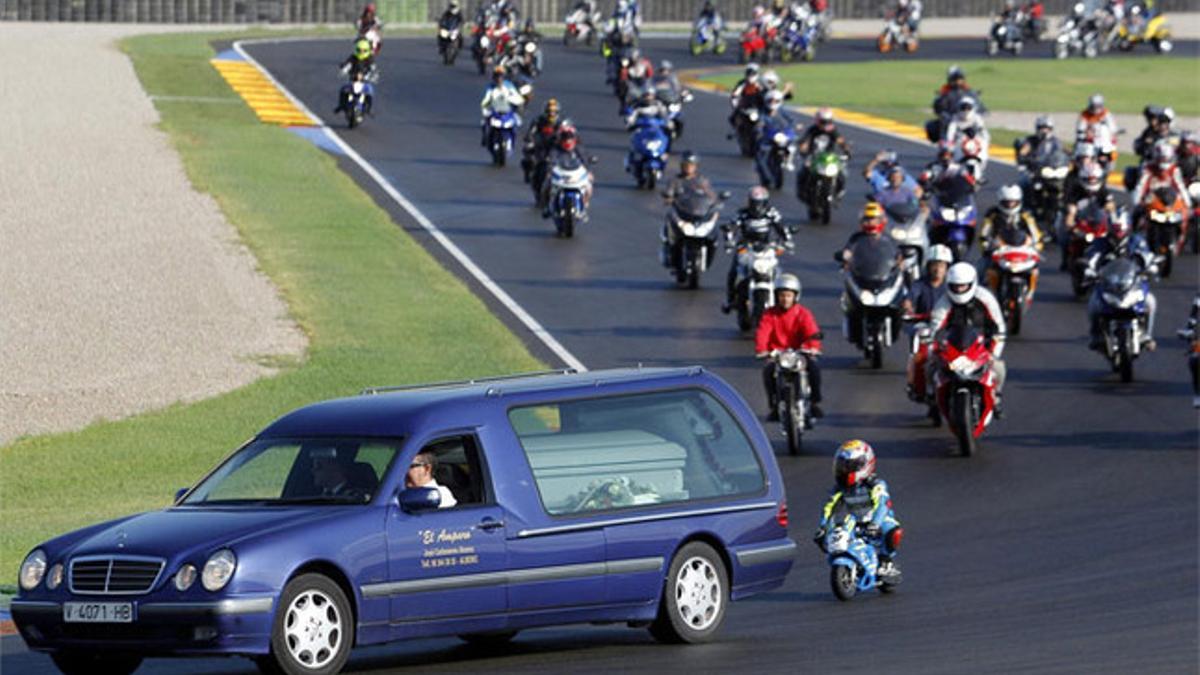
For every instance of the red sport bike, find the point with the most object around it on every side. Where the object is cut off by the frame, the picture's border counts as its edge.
(753, 46)
(965, 386)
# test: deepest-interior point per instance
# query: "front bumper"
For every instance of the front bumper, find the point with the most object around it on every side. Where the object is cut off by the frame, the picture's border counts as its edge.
(229, 626)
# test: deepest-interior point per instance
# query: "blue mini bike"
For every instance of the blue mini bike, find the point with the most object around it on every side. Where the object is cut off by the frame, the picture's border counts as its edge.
(853, 560)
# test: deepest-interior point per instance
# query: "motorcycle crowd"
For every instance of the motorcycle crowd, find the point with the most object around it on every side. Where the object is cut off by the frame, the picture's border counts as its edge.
(908, 271)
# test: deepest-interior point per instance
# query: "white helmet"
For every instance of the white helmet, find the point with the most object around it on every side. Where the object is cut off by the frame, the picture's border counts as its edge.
(1006, 196)
(788, 282)
(960, 282)
(774, 99)
(770, 79)
(940, 253)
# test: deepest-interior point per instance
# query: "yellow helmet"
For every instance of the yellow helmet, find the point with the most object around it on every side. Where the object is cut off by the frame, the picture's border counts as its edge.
(362, 49)
(872, 211)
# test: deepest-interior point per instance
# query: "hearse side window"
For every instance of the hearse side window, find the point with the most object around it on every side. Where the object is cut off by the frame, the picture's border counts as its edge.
(458, 468)
(625, 451)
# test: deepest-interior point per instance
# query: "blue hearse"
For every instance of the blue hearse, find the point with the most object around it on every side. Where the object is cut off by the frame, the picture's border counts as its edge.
(644, 496)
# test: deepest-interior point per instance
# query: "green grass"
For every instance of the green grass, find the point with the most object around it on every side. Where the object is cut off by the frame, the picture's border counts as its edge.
(903, 90)
(376, 307)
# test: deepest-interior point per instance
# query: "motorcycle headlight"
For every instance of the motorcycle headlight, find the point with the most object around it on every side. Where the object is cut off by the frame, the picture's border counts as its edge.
(525, 89)
(899, 234)
(497, 122)
(829, 170)
(218, 570)
(964, 213)
(1061, 172)
(865, 296)
(963, 366)
(55, 578)
(789, 360)
(1047, 172)
(444, 33)
(764, 266)
(654, 145)
(703, 229)
(1131, 297)
(357, 87)
(948, 214)
(33, 569)
(1158, 216)
(674, 108)
(484, 42)
(530, 47)
(780, 138)
(687, 228)
(752, 115)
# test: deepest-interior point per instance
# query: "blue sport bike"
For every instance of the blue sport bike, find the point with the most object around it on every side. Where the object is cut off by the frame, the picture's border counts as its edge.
(853, 556)
(647, 158)
(502, 134)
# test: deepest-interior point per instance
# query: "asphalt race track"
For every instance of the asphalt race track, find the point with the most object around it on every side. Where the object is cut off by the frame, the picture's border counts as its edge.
(1069, 544)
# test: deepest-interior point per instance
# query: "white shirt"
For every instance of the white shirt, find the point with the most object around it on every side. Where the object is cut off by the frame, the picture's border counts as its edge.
(448, 499)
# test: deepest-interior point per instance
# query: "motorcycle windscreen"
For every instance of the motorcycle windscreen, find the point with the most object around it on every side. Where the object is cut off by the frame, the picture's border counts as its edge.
(1119, 275)
(901, 205)
(956, 192)
(873, 262)
(961, 336)
(567, 161)
(694, 205)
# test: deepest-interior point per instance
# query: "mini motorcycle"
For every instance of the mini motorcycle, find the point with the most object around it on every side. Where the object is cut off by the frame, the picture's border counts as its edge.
(853, 559)
(964, 384)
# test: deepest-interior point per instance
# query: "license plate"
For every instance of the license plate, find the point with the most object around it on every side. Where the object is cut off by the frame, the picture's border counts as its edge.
(98, 612)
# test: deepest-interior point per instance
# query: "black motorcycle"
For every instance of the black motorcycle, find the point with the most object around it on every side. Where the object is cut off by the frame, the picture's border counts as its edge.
(874, 287)
(449, 39)
(690, 237)
(1124, 315)
(1046, 186)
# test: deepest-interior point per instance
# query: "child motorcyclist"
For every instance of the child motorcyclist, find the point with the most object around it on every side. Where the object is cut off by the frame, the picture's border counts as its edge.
(789, 325)
(360, 64)
(859, 492)
(758, 223)
(500, 97)
(1121, 242)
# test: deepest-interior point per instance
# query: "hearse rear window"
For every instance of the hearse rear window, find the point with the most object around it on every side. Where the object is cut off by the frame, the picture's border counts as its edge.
(626, 451)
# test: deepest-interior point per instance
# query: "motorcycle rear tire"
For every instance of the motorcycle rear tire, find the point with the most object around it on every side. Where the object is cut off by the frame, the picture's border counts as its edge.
(964, 423)
(651, 180)
(842, 581)
(1016, 314)
(351, 118)
(793, 424)
(877, 357)
(1124, 361)
(567, 229)
(1168, 261)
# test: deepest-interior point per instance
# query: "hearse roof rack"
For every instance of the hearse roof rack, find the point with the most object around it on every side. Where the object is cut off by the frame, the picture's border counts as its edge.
(462, 383)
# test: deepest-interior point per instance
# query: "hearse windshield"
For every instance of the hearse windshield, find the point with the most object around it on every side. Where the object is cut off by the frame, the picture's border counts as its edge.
(298, 471)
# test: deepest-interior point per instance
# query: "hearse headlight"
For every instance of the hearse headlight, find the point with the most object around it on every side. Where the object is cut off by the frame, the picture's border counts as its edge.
(185, 577)
(33, 569)
(55, 577)
(218, 570)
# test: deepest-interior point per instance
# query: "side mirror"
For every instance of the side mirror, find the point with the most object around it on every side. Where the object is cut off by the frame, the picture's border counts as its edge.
(180, 493)
(414, 500)
(839, 256)
(593, 159)
(724, 194)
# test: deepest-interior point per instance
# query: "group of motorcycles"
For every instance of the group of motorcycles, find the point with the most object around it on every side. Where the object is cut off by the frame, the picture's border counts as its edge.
(1089, 33)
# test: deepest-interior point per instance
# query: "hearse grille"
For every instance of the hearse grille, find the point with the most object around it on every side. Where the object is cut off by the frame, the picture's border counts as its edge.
(114, 576)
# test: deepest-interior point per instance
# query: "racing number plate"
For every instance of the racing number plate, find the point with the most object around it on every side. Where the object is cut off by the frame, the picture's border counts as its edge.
(98, 612)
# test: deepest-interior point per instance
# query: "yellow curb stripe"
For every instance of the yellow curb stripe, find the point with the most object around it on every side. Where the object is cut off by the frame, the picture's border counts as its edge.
(264, 98)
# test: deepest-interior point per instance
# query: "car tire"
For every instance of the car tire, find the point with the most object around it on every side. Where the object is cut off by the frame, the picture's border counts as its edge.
(321, 648)
(694, 598)
(89, 663)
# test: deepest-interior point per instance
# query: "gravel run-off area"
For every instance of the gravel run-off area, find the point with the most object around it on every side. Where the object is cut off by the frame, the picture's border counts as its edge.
(122, 289)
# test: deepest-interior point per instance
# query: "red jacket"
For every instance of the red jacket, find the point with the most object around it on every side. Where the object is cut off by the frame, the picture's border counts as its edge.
(792, 329)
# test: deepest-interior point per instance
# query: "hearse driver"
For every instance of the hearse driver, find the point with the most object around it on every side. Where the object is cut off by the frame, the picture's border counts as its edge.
(329, 474)
(420, 474)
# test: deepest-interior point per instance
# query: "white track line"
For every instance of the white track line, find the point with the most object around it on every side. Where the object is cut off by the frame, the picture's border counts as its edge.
(463, 259)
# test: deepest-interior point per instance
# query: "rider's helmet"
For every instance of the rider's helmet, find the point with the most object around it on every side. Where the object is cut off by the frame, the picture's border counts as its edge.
(902, 4)
(453, 5)
(552, 108)
(853, 463)
(1092, 177)
(1078, 9)
(568, 138)
(635, 55)
(825, 118)
(665, 67)
(774, 99)
(751, 70)
(362, 49)
(757, 200)
(1085, 150)
(954, 74)
(1119, 229)
(1095, 103)
(1167, 116)
(370, 8)
(758, 12)
(966, 105)
(689, 157)
(770, 79)
(1010, 4)
(498, 74)
(873, 218)
(1164, 155)
(1045, 126)
(788, 282)
(940, 253)
(961, 280)
(1009, 197)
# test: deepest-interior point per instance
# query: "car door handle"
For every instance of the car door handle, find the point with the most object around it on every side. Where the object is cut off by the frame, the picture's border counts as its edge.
(489, 524)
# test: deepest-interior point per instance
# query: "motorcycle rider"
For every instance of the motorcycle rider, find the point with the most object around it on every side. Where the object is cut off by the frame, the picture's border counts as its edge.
(500, 96)
(637, 73)
(859, 492)
(1158, 128)
(942, 165)
(823, 133)
(945, 105)
(1098, 126)
(1000, 223)
(566, 144)
(540, 136)
(1161, 172)
(647, 106)
(452, 16)
(908, 15)
(757, 223)
(871, 224)
(665, 80)
(789, 325)
(688, 181)
(924, 294)
(774, 117)
(878, 172)
(770, 83)
(747, 94)
(359, 64)
(588, 7)
(710, 14)
(1121, 242)
(899, 189)
(1042, 143)
(967, 123)
(967, 303)
(368, 20)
